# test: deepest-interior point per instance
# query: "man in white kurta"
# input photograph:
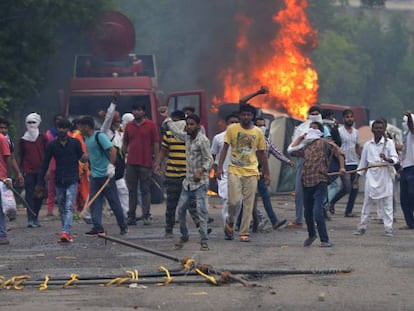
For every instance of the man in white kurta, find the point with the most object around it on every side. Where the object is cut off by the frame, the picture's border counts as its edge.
(379, 151)
(216, 148)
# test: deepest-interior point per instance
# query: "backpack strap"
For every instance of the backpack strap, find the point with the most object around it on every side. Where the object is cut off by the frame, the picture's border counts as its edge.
(100, 145)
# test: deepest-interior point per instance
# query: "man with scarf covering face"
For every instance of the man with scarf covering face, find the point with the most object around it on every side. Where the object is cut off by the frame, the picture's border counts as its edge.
(316, 154)
(314, 115)
(407, 173)
(32, 148)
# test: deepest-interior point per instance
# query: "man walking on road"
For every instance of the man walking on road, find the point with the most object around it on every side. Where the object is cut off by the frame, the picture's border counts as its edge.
(248, 148)
(4, 156)
(316, 154)
(66, 151)
(102, 159)
(378, 152)
(195, 183)
(407, 173)
(352, 152)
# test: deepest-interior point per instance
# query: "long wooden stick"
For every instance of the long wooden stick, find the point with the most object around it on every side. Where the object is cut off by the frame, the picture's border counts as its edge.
(359, 169)
(85, 208)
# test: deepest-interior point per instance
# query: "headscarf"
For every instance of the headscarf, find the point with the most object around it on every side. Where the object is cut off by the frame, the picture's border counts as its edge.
(126, 117)
(32, 125)
(311, 135)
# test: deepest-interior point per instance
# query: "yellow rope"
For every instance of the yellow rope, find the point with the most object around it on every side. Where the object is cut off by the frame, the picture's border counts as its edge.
(43, 286)
(117, 281)
(74, 279)
(134, 275)
(15, 282)
(168, 278)
(208, 277)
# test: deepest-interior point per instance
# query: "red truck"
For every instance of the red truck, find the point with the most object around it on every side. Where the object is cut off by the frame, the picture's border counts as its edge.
(113, 66)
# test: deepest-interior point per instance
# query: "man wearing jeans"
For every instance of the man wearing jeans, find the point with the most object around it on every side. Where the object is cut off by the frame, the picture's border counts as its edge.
(313, 116)
(352, 152)
(195, 183)
(261, 185)
(66, 151)
(407, 173)
(316, 154)
(102, 158)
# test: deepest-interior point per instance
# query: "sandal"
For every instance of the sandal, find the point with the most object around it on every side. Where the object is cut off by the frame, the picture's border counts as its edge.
(244, 238)
(204, 247)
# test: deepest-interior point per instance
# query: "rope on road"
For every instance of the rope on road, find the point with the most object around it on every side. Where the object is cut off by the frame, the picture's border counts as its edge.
(43, 286)
(73, 279)
(14, 282)
(168, 278)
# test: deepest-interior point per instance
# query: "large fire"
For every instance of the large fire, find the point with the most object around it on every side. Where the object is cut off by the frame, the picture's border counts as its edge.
(288, 72)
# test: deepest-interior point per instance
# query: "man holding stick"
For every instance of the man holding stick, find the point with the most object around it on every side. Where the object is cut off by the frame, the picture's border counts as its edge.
(377, 154)
(316, 154)
(102, 182)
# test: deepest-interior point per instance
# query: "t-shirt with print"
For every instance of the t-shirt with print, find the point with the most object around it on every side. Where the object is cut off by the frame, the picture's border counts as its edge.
(244, 143)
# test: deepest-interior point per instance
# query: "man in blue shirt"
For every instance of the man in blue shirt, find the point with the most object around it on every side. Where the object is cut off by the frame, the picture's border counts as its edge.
(102, 157)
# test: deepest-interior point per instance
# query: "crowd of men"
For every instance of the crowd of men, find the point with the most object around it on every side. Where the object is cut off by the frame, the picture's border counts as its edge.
(78, 166)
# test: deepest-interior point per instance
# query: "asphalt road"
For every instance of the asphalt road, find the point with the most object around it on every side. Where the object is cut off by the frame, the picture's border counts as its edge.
(381, 279)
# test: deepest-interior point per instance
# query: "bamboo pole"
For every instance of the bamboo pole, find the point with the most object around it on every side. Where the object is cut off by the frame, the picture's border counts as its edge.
(89, 203)
(359, 169)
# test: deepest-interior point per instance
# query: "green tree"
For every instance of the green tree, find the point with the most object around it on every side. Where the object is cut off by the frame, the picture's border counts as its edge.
(29, 37)
(362, 58)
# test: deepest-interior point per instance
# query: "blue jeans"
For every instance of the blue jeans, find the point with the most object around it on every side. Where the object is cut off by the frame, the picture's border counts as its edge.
(111, 194)
(267, 203)
(173, 186)
(347, 188)
(200, 196)
(314, 197)
(299, 192)
(407, 194)
(66, 198)
(333, 189)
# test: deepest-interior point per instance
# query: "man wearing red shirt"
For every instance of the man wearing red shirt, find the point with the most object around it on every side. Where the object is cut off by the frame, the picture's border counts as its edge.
(141, 144)
(4, 155)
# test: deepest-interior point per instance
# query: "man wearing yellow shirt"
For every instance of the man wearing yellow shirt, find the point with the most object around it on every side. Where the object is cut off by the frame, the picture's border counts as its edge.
(247, 151)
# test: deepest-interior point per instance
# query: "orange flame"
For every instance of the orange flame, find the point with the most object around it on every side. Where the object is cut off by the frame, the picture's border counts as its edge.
(288, 73)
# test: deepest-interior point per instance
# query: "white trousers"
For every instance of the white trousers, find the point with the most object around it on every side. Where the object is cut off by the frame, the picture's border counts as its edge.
(384, 205)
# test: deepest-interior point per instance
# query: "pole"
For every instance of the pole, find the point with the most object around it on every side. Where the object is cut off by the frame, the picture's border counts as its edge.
(85, 208)
(142, 248)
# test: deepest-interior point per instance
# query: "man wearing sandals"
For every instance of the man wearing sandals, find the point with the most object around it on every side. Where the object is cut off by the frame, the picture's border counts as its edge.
(195, 183)
(247, 151)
